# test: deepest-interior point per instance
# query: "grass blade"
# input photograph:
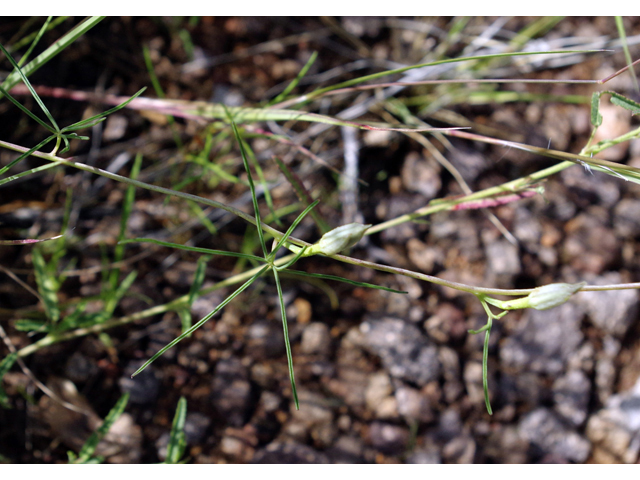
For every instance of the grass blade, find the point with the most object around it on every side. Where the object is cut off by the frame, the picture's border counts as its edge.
(344, 280)
(188, 248)
(293, 226)
(91, 121)
(57, 47)
(202, 321)
(287, 344)
(33, 92)
(295, 81)
(303, 195)
(251, 185)
(177, 439)
(5, 365)
(89, 448)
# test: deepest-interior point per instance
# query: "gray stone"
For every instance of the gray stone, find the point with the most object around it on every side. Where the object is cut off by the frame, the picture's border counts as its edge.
(80, 368)
(314, 408)
(144, 387)
(405, 352)
(469, 162)
(424, 456)
(265, 340)
(379, 396)
(504, 445)
(626, 218)
(615, 430)
(388, 438)
(231, 391)
(613, 310)
(593, 187)
(605, 369)
(195, 427)
(503, 260)
(413, 405)
(543, 429)
(460, 450)
(527, 227)
(289, 453)
(421, 176)
(316, 339)
(544, 341)
(449, 425)
(347, 449)
(571, 394)
(524, 387)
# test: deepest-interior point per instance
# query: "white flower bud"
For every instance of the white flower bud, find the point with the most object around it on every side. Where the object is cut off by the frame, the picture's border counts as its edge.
(340, 238)
(546, 297)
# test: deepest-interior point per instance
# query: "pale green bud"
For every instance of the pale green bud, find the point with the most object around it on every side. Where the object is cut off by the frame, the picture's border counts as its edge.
(340, 238)
(545, 297)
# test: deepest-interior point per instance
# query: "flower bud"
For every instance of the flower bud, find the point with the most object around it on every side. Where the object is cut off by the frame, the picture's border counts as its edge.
(340, 238)
(546, 297)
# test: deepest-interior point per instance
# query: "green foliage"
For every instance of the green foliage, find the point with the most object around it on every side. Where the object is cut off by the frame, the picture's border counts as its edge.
(66, 322)
(177, 439)
(86, 454)
(5, 365)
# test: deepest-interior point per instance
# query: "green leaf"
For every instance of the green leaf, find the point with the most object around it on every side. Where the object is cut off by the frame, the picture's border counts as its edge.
(624, 102)
(202, 321)
(245, 161)
(596, 118)
(33, 93)
(292, 227)
(91, 121)
(193, 249)
(287, 344)
(89, 448)
(57, 47)
(295, 81)
(27, 325)
(48, 286)
(5, 365)
(177, 440)
(345, 280)
(198, 279)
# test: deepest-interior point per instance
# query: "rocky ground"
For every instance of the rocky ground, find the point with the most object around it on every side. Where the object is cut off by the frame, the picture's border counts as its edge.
(382, 377)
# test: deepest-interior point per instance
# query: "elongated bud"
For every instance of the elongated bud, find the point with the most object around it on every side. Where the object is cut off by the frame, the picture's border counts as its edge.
(546, 297)
(340, 238)
(553, 295)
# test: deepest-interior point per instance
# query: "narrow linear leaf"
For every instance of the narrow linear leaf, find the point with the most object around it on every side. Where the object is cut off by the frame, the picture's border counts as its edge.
(287, 344)
(5, 365)
(624, 102)
(344, 280)
(252, 187)
(47, 286)
(198, 279)
(91, 121)
(36, 97)
(485, 366)
(596, 118)
(27, 325)
(293, 226)
(177, 438)
(26, 154)
(89, 448)
(70, 37)
(295, 81)
(303, 195)
(202, 321)
(625, 47)
(188, 248)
